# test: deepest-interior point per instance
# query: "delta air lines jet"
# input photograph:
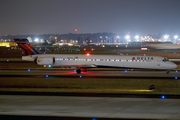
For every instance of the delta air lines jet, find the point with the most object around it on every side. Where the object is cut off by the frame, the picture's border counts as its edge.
(82, 62)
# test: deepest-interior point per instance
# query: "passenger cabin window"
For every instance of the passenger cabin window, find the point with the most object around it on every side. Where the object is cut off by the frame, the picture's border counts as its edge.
(97, 59)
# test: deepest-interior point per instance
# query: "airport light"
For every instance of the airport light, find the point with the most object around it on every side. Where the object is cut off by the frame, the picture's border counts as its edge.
(166, 37)
(137, 37)
(175, 37)
(36, 40)
(127, 37)
(162, 96)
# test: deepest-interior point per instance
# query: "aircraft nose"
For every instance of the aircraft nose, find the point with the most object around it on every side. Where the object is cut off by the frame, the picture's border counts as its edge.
(173, 65)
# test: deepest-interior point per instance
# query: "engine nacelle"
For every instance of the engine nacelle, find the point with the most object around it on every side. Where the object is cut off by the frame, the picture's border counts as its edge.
(46, 61)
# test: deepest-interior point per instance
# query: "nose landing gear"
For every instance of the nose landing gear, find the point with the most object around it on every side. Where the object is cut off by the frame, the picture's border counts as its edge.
(78, 70)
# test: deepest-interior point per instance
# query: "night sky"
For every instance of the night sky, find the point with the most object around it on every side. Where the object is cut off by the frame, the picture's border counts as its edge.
(89, 16)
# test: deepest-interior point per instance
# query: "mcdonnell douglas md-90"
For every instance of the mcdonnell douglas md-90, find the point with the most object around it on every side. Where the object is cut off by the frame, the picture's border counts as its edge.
(82, 62)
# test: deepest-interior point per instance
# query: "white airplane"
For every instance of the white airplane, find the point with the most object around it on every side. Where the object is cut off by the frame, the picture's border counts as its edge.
(82, 62)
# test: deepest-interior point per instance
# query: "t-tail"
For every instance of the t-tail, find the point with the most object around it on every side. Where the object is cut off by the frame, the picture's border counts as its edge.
(26, 47)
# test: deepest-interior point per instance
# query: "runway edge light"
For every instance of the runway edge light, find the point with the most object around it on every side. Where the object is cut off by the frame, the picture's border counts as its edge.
(162, 96)
(29, 70)
(47, 76)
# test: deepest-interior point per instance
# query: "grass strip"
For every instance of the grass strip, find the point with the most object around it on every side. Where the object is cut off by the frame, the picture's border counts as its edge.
(136, 86)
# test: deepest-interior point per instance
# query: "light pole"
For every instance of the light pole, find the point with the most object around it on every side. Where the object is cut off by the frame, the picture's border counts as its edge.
(127, 38)
(117, 39)
(137, 38)
(175, 37)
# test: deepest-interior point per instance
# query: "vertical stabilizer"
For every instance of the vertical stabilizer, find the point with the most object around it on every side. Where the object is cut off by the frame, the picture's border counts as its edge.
(26, 47)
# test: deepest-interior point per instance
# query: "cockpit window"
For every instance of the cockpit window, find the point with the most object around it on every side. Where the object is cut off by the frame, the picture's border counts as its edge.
(165, 59)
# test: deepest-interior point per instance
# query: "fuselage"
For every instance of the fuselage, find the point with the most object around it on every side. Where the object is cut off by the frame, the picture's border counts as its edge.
(72, 60)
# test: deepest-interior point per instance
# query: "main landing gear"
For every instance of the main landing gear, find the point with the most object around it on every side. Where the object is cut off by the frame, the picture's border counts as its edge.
(168, 71)
(78, 70)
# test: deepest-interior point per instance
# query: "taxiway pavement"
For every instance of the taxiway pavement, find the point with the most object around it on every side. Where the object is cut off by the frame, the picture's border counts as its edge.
(93, 73)
(95, 107)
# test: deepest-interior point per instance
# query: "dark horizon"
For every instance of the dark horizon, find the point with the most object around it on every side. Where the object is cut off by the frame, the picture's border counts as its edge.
(89, 16)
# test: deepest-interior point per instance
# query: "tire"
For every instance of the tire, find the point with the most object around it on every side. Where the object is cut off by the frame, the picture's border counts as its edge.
(78, 71)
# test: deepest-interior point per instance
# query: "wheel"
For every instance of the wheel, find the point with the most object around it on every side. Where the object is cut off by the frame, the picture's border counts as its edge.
(168, 71)
(78, 71)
